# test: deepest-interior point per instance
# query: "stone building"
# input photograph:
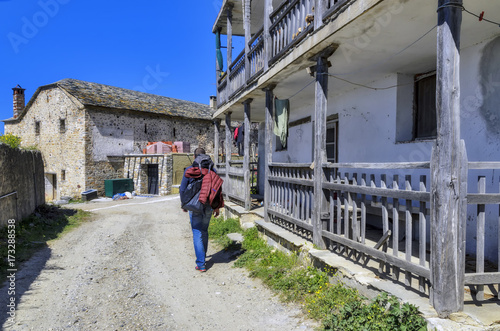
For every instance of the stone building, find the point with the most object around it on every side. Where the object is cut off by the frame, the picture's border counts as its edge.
(84, 130)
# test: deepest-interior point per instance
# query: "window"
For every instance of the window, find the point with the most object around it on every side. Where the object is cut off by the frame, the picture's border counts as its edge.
(425, 125)
(62, 125)
(37, 128)
(63, 174)
(331, 140)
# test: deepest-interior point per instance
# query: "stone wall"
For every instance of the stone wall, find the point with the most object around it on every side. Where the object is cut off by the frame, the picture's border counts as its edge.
(22, 174)
(59, 135)
(136, 167)
(120, 132)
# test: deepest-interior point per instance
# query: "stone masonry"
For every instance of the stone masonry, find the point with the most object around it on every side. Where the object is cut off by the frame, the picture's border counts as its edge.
(85, 130)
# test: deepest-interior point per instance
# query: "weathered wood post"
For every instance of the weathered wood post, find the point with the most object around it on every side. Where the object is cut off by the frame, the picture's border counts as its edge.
(248, 35)
(448, 170)
(319, 9)
(320, 109)
(218, 69)
(246, 154)
(228, 149)
(268, 8)
(268, 155)
(229, 59)
(216, 140)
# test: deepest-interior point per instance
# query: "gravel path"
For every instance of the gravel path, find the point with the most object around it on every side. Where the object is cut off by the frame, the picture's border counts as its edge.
(133, 269)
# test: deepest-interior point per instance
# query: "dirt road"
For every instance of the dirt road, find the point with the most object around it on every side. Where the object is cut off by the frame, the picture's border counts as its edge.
(132, 268)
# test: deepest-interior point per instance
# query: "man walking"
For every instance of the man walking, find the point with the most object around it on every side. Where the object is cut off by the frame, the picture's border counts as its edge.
(199, 220)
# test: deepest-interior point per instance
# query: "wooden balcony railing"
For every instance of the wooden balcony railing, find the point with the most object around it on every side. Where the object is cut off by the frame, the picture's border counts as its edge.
(383, 215)
(332, 7)
(290, 23)
(256, 54)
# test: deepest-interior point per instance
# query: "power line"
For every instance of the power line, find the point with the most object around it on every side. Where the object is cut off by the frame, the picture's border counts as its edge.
(389, 58)
(461, 6)
(302, 89)
(370, 87)
(480, 17)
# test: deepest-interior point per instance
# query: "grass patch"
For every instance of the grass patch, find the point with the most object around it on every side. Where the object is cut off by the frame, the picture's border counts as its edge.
(219, 228)
(336, 306)
(33, 232)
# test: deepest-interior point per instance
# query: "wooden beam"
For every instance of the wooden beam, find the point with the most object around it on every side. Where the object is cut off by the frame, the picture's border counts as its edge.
(268, 9)
(216, 140)
(483, 278)
(392, 165)
(228, 144)
(297, 181)
(246, 153)
(448, 175)
(229, 37)
(293, 220)
(217, 70)
(383, 240)
(248, 35)
(379, 191)
(379, 255)
(320, 109)
(268, 154)
(319, 10)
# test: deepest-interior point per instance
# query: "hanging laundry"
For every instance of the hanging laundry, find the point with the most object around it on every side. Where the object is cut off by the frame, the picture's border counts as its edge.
(236, 134)
(240, 139)
(281, 113)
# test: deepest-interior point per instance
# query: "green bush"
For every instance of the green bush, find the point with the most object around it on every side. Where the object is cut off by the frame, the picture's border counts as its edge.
(382, 313)
(11, 140)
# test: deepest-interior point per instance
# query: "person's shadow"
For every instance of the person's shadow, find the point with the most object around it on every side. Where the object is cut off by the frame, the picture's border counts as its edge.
(224, 255)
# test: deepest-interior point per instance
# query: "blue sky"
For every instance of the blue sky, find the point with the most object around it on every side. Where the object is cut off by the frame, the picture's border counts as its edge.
(162, 47)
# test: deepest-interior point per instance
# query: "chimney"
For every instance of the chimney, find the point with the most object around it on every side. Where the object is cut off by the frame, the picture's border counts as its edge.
(18, 100)
(213, 102)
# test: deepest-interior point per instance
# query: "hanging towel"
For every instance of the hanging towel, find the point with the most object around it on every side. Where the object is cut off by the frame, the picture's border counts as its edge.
(236, 134)
(281, 110)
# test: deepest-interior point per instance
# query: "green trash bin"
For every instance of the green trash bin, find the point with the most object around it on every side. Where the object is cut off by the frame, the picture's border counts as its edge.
(120, 185)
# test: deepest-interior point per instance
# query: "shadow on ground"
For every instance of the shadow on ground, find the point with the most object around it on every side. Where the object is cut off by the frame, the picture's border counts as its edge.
(224, 255)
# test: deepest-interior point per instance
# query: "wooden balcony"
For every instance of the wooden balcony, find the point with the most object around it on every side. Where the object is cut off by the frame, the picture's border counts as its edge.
(289, 24)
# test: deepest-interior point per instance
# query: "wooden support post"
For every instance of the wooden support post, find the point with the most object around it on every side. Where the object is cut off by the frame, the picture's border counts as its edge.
(448, 170)
(216, 140)
(320, 109)
(218, 69)
(228, 149)
(268, 155)
(248, 35)
(268, 8)
(229, 38)
(246, 154)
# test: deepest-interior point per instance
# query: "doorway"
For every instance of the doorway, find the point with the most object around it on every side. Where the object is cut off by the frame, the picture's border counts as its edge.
(50, 187)
(153, 179)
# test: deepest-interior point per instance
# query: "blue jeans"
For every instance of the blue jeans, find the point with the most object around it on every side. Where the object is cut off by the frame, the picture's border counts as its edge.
(199, 225)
